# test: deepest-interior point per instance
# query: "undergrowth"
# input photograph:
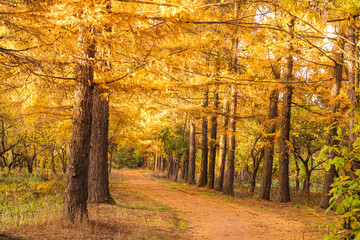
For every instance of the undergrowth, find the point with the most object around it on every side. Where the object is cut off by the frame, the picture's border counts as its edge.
(27, 198)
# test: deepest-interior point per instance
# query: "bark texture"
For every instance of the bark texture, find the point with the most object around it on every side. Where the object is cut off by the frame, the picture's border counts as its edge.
(213, 144)
(265, 186)
(330, 174)
(204, 144)
(219, 181)
(192, 154)
(76, 191)
(284, 188)
(230, 164)
(350, 50)
(99, 191)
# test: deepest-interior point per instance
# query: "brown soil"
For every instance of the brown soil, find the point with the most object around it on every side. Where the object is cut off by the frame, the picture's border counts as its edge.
(148, 209)
(214, 218)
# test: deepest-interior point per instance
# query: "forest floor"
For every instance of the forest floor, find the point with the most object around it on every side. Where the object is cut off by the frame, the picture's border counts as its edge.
(160, 209)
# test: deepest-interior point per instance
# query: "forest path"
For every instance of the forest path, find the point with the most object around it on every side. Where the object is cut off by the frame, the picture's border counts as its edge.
(214, 218)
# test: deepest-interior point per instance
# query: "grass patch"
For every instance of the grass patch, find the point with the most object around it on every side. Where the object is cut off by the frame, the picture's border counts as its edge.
(181, 223)
(215, 195)
(140, 206)
(172, 185)
(26, 197)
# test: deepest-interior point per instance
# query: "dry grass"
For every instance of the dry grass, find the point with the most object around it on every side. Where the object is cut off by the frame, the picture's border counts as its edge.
(134, 216)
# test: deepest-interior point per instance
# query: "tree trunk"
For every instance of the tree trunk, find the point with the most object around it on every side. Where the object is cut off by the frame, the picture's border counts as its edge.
(336, 86)
(158, 163)
(230, 164)
(192, 152)
(266, 179)
(175, 170)
(307, 182)
(170, 167)
(219, 182)
(256, 163)
(297, 181)
(163, 164)
(52, 161)
(350, 53)
(350, 49)
(204, 144)
(76, 191)
(62, 154)
(213, 143)
(29, 164)
(154, 163)
(284, 188)
(184, 166)
(98, 185)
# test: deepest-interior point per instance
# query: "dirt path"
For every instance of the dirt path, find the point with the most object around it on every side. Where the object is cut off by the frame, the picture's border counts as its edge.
(211, 218)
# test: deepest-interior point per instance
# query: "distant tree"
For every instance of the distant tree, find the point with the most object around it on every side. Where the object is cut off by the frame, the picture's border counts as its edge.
(213, 142)
(204, 144)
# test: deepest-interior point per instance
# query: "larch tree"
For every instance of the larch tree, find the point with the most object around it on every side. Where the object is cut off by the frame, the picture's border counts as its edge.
(192, 152)
(330, 172)
(219, 181)
(269, 146)
(76, 191)
(230, 163)
(284, 188)
(204, 144)
(99, 191)
(213, 142)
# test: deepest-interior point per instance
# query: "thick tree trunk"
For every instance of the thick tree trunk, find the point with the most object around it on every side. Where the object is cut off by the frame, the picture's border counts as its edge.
(230, 164)
(98, 185)
(219, 182)
(284, 188)
(76, 191)
(192, 154)
(330, 174)
(351, 55)
(350, 46)
(265, 187)
(204, 144)
(213, 143)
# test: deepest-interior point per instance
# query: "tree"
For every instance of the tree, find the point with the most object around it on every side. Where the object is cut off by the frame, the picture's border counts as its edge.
(204, 144)
(76, 191)
(99, 191)
(330, 173)
(284, 188)
(219, 181)
(230, 164)
(269, 146)
(192, 152)
(213, 143)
